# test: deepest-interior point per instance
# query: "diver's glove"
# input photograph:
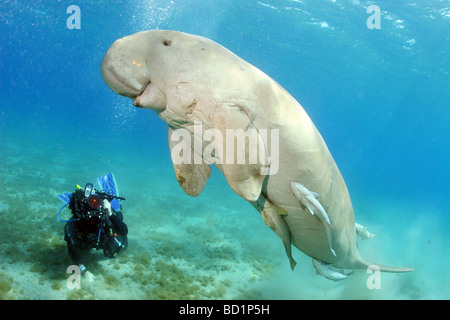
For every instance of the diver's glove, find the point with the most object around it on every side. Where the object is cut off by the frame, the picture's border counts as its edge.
(107, 207)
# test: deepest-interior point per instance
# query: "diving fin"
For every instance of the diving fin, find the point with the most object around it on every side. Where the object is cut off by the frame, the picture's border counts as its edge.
(108, 183)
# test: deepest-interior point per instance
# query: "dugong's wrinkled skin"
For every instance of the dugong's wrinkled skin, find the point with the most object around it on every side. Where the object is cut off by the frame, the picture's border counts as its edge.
(187, 78)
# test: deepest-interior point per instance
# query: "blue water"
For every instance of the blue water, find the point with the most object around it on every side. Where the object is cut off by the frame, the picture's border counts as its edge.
(379, 97)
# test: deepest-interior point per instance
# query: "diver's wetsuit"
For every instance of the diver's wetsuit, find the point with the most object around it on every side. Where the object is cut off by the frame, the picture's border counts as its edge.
(86, 233)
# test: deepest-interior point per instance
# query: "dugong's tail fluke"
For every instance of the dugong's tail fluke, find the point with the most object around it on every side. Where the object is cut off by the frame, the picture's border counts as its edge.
(393, 269)
(362, 264)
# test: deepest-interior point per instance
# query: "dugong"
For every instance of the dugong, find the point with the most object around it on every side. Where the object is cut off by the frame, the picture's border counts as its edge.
(196, 86)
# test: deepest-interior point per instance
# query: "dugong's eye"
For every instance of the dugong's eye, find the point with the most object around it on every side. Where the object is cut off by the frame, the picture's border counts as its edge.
(167, 43)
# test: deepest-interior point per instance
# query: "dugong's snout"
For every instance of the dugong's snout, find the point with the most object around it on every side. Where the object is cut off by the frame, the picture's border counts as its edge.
(119, 72)
(117, 83)
(125, 70)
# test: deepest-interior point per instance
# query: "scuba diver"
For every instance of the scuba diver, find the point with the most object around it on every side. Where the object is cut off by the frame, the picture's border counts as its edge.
(94, 224)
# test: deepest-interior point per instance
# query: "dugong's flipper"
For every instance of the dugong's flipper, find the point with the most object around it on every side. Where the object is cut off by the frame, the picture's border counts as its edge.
(362, 232)
(309, 200)
(245, 179)
(191, 177)
(328, 272)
